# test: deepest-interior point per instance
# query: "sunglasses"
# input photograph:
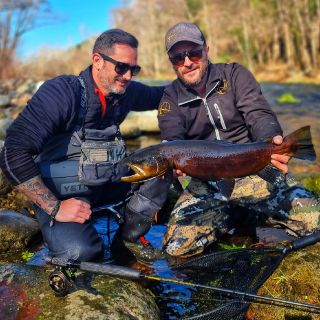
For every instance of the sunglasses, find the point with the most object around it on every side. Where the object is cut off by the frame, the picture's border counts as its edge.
(121, 67)
(193, 55)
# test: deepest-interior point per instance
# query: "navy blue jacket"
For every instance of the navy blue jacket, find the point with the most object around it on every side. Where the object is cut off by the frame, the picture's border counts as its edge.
(54, 110)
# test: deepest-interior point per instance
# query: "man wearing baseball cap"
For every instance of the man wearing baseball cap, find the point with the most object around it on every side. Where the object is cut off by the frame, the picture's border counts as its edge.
(223, 101)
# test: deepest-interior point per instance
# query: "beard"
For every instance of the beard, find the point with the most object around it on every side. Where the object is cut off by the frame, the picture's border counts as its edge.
(195, 83)
(110, 85)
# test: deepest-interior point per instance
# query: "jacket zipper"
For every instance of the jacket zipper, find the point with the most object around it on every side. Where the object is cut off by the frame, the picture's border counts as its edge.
(216, 130)
(220, 117)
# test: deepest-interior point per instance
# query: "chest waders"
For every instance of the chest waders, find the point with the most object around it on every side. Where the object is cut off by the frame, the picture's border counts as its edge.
(73, 162)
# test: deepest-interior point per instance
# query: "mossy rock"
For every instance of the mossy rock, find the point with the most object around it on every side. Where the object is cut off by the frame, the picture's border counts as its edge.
(296, 279)
(16, 201)
(25, 294)
(311, 183)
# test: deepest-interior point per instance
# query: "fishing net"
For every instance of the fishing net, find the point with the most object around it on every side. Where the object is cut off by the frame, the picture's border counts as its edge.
(242, 270)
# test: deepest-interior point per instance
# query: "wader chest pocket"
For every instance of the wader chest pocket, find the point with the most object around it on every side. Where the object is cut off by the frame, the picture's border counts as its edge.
(99, 157)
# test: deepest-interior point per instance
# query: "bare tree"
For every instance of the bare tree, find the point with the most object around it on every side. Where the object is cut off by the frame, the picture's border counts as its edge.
(16, 18)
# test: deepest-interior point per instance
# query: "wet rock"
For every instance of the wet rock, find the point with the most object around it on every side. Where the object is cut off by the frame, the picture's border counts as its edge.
(4, 125)
(16, 231)
(25, 294)
(16, 201)
(138, 122)
(5, 186)
(4, 100)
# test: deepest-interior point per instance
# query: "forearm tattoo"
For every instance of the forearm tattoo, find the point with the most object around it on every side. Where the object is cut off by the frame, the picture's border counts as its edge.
(37, 192)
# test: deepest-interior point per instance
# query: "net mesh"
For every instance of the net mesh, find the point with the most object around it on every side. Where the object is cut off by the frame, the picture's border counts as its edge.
(242, 270)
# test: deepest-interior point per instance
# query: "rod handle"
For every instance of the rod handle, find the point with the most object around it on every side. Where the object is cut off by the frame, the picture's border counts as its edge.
(111, 270)
(305, 241)
(107, 269)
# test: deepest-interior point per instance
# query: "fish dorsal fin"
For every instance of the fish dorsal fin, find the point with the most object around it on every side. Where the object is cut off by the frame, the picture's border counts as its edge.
(224, 142)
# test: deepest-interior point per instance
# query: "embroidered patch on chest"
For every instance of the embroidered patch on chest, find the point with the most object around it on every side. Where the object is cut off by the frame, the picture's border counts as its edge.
(222, 89)
(164, 108)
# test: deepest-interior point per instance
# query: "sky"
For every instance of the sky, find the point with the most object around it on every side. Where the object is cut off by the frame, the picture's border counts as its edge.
(81, 20)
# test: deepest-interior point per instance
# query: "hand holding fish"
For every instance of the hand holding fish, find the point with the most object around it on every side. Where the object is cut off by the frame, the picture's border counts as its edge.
(278, 160)
(178, 173)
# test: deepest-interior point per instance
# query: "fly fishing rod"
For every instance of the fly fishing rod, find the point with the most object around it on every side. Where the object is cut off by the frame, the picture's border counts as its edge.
(58, 279)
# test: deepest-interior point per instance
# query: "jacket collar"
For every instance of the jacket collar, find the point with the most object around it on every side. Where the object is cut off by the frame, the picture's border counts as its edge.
(186, 94)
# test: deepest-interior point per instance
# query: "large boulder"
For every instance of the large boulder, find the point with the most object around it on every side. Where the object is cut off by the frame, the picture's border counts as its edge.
(17, 231)
(139, 122)
(25, 294)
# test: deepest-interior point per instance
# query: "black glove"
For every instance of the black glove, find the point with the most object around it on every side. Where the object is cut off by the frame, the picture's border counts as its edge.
(135, 225)
(147, 199)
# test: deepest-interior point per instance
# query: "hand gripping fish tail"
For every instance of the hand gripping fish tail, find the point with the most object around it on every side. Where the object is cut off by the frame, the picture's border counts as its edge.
(213, 159)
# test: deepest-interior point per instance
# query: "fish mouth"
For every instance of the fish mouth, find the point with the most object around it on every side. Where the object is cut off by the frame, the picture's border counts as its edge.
(141, 175)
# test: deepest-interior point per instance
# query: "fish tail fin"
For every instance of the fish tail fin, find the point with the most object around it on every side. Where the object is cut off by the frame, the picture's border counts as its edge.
(302, 142)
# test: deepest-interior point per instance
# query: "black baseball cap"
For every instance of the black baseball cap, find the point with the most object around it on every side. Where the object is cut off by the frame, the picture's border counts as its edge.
(183, 31)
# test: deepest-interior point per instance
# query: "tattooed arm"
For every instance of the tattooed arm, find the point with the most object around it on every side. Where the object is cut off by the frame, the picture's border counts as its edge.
(71, 210)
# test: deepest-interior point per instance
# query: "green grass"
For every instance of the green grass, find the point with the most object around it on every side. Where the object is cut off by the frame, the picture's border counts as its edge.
(288, 97)
(27, 255)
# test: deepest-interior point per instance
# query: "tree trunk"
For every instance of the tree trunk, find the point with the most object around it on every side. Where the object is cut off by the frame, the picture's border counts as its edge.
(287, 39)
(303, 43)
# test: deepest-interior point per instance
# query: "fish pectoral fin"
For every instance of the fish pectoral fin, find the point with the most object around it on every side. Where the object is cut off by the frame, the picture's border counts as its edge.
(226, 187)
(272, 175)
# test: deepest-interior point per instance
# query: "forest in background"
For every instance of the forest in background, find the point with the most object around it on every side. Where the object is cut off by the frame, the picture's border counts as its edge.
(278, 39)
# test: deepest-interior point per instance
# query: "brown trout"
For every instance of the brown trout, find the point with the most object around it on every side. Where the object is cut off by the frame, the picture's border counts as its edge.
(211, 160)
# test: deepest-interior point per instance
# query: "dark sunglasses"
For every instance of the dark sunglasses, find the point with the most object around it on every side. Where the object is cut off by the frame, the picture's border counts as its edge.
(121, 67)
(193, 55)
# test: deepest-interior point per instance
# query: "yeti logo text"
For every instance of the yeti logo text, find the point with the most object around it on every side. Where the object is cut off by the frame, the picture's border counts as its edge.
(70, 188)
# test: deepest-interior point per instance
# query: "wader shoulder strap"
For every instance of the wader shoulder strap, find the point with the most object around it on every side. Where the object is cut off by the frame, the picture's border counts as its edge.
(83, 108)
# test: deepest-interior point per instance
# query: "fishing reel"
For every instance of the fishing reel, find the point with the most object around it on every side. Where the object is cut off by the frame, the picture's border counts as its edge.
(61, 281)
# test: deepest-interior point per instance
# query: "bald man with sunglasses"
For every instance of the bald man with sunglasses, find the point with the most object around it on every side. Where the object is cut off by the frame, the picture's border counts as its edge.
(62, 150)
(223, 102)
